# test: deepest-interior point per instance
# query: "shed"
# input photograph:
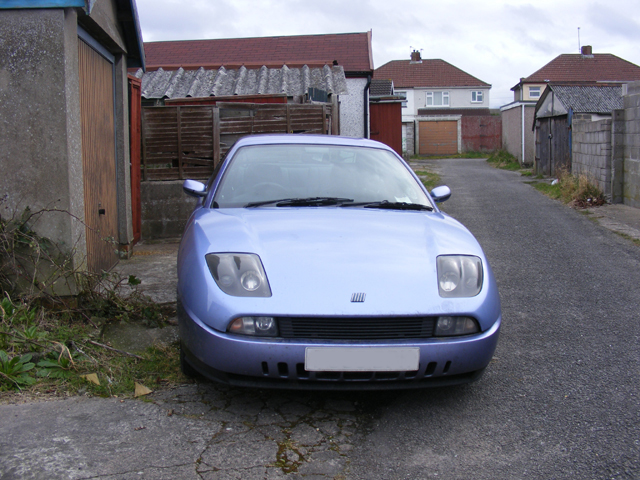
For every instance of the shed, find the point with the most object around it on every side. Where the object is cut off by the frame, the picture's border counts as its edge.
(556, 110)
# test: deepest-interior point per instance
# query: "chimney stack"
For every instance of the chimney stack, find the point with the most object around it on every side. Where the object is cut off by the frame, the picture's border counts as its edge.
(586, 50)
(415, 56)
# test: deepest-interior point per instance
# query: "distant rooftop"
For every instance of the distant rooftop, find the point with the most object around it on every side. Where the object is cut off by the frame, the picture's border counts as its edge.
(586, 67)
(352, 51)
(381, 88)
(419, 72)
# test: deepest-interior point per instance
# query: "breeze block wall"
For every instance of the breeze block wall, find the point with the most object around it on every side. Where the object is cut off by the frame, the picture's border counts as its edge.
(591, 152)
(165, 209)
(631, 168)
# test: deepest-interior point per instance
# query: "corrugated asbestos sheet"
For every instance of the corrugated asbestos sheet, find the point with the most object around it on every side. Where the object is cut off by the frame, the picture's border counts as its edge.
(181, 83)
(589, 98)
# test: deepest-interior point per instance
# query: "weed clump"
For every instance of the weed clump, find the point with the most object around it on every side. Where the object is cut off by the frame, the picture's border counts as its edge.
(504, 160)
(50, 343)
(579, 191)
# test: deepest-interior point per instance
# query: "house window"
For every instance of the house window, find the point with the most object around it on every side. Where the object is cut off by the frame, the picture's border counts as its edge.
(477, 97)
(403, 96)
(534, 92)
(437, 99)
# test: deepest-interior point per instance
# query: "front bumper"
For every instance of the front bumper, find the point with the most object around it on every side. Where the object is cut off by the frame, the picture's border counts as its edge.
(279, 363)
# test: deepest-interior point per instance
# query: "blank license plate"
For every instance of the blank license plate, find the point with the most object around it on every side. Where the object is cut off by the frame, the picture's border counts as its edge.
(364, 359)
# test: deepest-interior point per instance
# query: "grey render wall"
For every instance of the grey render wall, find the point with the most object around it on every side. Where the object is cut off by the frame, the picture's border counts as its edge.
(591, 152)
(352, 109)
(512, 130)
(40, 146)
(409, 142)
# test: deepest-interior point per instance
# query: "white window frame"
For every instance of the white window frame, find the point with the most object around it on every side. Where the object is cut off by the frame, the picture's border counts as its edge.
(431, 96)
(402, 94)
(538, 91)
(477, 96)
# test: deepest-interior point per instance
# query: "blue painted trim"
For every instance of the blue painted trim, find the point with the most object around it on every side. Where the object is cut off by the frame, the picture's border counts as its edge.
(6, 4)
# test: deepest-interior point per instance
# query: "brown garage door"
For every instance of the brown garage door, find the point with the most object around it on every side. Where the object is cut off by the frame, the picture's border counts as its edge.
(438, 138)
(98, 157)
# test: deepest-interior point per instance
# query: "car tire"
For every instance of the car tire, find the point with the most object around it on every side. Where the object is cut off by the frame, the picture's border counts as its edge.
(185, 366)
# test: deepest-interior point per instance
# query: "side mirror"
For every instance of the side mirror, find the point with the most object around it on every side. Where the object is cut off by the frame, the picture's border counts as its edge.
(441, 193)
(194, 188)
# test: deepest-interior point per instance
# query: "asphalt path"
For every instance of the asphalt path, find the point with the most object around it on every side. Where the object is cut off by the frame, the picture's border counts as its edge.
(559, 400)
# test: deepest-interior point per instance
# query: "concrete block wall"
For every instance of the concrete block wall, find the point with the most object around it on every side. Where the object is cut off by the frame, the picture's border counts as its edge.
(165, 209)
(592, 152)
(631, 162)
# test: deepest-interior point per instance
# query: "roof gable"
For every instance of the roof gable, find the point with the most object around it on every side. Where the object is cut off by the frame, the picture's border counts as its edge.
(426, 73)
(599, 67)
(352, 51)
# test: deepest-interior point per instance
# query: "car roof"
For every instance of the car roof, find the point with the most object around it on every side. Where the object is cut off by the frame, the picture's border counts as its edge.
(299, 139)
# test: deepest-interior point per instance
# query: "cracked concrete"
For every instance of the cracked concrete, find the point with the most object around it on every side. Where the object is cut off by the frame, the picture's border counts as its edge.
(196, 431)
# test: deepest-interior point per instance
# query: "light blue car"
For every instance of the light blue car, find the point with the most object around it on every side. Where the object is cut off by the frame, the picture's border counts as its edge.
(322, 262)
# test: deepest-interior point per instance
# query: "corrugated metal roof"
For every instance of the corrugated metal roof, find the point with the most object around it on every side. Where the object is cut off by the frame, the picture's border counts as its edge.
(589, 98)
(242, 81)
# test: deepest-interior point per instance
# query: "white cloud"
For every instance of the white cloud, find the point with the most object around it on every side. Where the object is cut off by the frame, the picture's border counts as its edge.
(495, 41)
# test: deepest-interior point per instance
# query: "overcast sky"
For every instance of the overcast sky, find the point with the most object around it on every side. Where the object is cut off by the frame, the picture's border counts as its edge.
(495, 41)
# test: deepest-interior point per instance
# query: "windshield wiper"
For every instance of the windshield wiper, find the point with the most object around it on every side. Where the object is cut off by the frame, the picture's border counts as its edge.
(386, 204)
(302, 202)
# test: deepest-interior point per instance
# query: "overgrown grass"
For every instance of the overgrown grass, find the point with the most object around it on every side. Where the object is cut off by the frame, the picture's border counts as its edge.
(577, 191)
(429, 179)
(504, 160)
(458, 155)
(50, 344)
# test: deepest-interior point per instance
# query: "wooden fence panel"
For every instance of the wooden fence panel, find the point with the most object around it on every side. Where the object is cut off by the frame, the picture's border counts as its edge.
(188, 141)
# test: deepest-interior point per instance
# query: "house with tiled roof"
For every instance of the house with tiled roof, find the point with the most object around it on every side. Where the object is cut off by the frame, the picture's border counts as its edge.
(351, 52)
(584, 68)
(437, 95)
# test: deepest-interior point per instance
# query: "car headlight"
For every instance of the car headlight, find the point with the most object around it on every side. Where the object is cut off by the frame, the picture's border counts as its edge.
(258, 326)
(239, 274)
(454, 326)
(459, 275)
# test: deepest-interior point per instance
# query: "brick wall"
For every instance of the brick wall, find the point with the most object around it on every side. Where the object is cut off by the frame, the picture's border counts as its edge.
(481, 133)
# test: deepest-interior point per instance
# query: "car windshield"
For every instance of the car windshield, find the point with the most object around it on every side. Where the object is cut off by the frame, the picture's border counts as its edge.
(315, 175)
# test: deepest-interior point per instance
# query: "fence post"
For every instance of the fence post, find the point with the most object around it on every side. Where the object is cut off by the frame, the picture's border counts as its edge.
(179, 119)
(216, 135)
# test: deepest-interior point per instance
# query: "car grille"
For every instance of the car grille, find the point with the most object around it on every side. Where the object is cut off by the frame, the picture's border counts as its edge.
(356, 328)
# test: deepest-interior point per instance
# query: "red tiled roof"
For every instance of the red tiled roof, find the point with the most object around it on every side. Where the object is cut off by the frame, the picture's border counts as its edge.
(428, 73)
(351, 50)
(599, 67)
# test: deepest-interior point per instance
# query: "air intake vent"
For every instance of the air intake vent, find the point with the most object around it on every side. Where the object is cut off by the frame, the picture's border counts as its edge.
(358, 297)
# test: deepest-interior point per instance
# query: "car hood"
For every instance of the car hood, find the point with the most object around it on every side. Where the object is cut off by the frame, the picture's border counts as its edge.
(316, 258)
